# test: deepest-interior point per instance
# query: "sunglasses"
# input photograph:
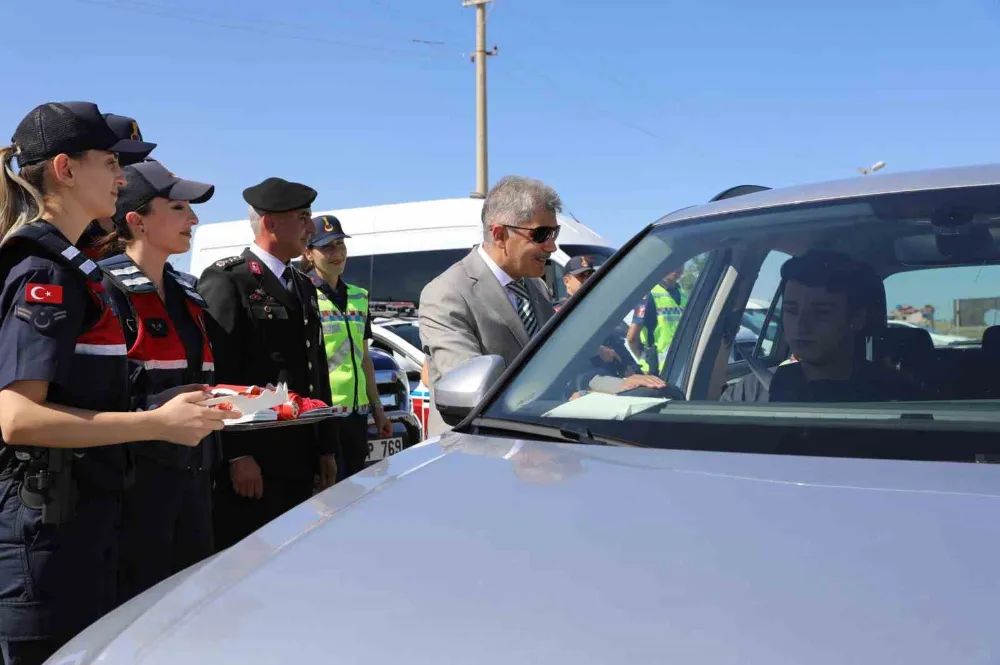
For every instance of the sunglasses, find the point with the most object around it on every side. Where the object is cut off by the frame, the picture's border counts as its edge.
(539, 234)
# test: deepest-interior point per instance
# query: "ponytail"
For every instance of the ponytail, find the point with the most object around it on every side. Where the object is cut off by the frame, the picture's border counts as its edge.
(111, 244)
(20, 194)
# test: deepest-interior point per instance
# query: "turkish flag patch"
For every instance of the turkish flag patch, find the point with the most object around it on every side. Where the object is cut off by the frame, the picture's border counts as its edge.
(47, 293)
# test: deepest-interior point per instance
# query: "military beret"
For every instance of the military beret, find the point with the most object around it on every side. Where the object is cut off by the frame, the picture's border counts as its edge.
(278, 195)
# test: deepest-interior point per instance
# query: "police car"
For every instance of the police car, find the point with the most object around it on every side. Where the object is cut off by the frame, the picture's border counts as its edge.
(396, 331)
(397, 375)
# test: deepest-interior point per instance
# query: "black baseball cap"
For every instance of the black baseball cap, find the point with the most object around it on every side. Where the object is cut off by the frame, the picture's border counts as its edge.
(581, 264)
(69, 127)
(149, 179)
(124, 128)
(326, 229)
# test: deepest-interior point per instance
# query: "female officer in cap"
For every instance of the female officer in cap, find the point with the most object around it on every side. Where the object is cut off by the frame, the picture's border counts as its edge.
(167, 514)
(347, 327)
(64, 396)
(91, 241)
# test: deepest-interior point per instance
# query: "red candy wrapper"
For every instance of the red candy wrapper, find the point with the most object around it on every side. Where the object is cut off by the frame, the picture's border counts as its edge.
(294, 407)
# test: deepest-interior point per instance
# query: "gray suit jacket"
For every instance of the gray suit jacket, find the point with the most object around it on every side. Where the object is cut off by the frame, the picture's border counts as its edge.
(465, 313)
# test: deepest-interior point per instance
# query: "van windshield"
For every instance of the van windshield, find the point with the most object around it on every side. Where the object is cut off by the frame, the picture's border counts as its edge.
(400, 276)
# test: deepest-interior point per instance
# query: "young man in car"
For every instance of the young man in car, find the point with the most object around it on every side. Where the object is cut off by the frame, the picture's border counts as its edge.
(825, 308)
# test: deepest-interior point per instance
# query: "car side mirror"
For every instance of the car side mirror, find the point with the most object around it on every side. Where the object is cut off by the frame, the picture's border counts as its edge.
(459, 391)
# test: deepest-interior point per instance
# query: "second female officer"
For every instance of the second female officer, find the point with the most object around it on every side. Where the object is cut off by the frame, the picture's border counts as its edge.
(347, 327)
(64, 390)
(167, 513)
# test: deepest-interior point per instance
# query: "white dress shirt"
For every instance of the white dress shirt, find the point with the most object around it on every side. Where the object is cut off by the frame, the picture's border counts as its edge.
(501, 276)
(274, 264)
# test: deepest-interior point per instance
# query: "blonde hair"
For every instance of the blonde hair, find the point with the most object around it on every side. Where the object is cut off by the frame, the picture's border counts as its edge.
(21, 200)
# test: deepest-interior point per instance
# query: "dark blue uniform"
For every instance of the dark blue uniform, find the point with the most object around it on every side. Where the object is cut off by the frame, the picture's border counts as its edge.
(167, 513)
(59, 510)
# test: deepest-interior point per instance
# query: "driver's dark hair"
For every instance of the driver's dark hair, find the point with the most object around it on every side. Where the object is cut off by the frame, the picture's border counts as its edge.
(835, 272)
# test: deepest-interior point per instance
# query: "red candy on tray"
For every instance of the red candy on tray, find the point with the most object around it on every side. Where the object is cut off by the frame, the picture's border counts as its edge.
(294, 407)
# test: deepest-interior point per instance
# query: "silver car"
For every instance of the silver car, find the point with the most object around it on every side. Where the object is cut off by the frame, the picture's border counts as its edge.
(554, 525)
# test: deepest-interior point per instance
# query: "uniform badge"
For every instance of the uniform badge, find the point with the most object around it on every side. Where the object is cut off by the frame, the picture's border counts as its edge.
(327, 226)
(157, 327)
(255, 268)
(44, 293)
(258, 295)
(135, 135)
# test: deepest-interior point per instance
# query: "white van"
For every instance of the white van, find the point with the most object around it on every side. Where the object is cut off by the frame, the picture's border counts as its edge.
(395, 250)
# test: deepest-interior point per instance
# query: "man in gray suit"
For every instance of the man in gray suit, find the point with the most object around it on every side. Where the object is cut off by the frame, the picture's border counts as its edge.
(494, 300)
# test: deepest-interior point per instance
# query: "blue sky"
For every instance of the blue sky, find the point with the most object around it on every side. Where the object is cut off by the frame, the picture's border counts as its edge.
(630, 109)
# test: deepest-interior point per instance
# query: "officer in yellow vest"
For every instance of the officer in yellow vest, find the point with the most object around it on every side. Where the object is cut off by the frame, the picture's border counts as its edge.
(656, 318)
(346, 323)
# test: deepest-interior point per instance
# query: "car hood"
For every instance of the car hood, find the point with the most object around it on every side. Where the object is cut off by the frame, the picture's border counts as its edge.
(483, 550)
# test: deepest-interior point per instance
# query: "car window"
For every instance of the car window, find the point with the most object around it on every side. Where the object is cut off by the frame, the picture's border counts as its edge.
(399, 276)
(554, 278)
(841, 358)
(590, 250)
(954, 305)
(758, 330)
(408, 331)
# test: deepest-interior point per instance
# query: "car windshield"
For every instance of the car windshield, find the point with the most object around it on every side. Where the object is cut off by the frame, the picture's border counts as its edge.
(782, 317)
(408, 331)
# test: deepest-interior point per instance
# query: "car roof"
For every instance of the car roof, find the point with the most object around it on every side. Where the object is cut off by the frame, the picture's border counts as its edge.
(851, 188)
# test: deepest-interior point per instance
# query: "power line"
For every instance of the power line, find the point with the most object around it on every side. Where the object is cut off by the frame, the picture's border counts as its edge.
(259, 29)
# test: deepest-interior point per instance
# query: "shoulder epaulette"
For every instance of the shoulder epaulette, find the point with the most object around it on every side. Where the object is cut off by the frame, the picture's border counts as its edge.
(125, 274)
(45, 235)
(188, 285)
(229, 262)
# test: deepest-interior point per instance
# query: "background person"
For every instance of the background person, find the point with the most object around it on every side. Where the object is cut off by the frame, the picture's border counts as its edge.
(347, 328)
(655, 321)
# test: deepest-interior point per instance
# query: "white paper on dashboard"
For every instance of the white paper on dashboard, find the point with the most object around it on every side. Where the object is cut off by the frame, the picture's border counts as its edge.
(602, 406)
(254, 409)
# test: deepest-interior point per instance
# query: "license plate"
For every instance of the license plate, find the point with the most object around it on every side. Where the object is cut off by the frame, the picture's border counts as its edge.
(381, 448)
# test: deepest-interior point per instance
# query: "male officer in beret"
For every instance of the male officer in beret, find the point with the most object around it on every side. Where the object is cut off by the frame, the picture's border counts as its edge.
(265, 328)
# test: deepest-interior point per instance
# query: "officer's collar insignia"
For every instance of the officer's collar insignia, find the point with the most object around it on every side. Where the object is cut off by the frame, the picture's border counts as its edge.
(327, 226)
(255, 268)
(231, 261)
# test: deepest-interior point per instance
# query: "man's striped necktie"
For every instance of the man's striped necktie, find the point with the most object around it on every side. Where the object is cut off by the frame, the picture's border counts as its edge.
(524, 309)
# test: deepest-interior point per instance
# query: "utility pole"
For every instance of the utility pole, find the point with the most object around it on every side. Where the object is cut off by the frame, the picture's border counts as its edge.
(479, 57)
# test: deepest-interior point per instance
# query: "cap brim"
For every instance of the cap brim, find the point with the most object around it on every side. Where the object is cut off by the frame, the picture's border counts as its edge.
(326, 239)
(191, 191)
(132, 152)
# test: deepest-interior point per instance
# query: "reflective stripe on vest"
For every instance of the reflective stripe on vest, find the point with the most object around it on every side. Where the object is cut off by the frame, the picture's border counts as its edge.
(344, 338)
(668, 316)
